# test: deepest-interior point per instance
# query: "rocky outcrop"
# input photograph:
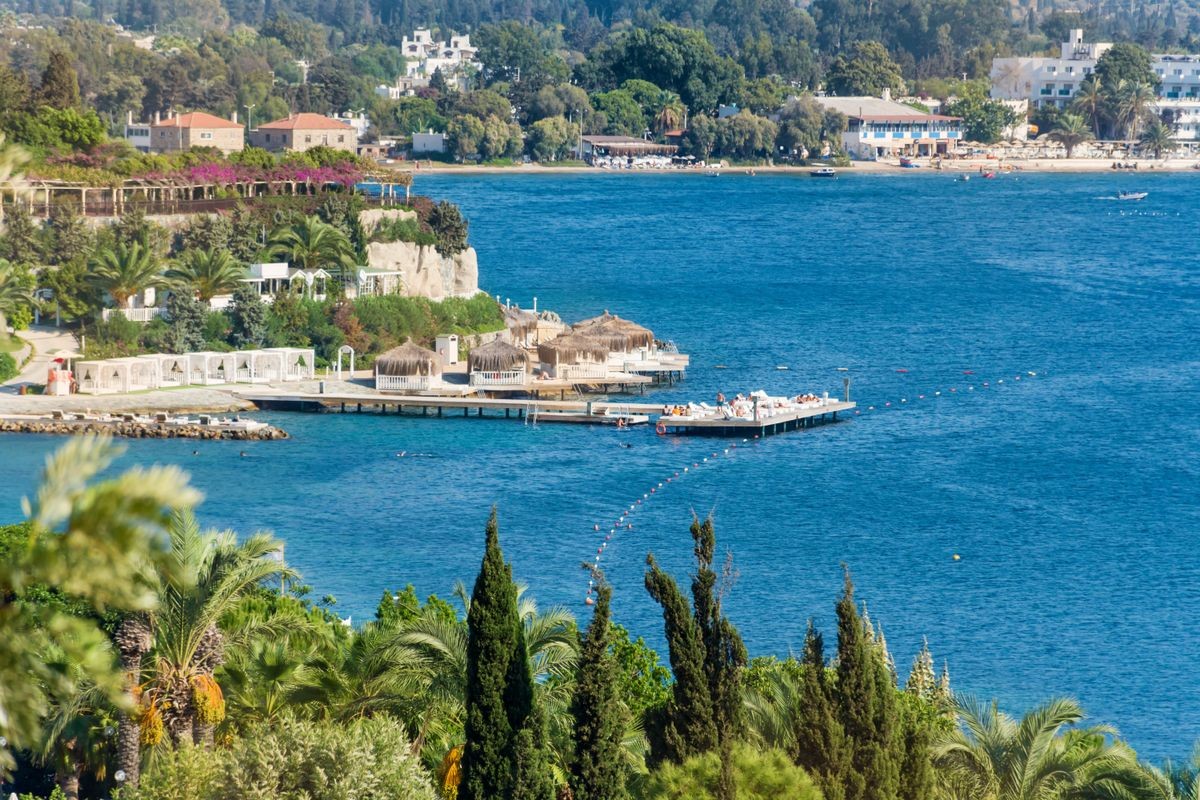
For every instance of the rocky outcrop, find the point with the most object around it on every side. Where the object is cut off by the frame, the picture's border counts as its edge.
(424, 272)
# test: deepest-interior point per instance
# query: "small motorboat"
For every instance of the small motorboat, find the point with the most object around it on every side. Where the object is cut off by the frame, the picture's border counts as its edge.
(908, 163)
(989, 175)
(1133, 195)
(824, 172)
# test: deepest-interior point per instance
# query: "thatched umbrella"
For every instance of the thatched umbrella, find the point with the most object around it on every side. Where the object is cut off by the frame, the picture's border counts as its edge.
(496, 356)
(571, 348)
(520, 323)
(615, 333)
(408, 359)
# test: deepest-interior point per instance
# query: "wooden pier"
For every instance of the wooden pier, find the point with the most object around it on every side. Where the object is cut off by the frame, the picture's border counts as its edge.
(596, 412)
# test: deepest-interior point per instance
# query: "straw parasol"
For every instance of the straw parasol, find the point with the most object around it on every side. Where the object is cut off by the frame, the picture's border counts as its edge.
(496, 356)
(570, 348)
(520, 323)
(408, 359)
(614, 332)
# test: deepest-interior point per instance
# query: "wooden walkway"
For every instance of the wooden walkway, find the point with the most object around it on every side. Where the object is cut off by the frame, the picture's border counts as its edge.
(596, 412)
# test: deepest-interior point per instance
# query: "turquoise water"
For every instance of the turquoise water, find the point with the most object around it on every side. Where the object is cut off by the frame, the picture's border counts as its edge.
(1071, 496)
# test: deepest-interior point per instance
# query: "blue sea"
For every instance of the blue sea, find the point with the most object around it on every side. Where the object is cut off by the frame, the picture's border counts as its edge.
(1071, 496)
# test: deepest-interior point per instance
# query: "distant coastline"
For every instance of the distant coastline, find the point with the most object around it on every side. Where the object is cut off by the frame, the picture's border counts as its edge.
(968, 166)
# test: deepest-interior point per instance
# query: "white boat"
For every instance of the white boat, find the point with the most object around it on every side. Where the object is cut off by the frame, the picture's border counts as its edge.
(824, 172)
(1133, 195)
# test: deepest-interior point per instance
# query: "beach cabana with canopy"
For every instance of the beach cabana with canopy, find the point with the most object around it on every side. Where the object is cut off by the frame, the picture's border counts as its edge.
(618, 335)
(498, 363)
(573, 356)
(257, 366)
(521, 324)
(209, 368)
(117, 375)
(299, 363)
(173, 370)
(407, 368)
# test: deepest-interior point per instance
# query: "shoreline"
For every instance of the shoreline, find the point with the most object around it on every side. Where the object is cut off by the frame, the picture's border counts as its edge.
(1047, 166)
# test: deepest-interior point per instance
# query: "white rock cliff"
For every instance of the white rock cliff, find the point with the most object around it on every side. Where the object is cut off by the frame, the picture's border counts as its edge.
(423, 271)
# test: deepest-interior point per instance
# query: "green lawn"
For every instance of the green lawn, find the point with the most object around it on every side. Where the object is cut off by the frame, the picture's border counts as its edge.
(10, 344)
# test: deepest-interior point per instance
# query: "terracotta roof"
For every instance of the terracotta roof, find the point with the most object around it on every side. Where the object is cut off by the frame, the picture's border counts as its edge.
(196, 119)
(306, 122)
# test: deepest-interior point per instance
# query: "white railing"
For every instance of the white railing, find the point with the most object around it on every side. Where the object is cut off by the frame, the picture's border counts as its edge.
(504, 378)
(142, 315)
(576, 372)
(402, 383)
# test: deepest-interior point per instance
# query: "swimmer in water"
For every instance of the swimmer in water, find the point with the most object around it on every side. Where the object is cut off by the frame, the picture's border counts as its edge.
(243, 454)
(401, 454)
(195, 452)
(626, 445)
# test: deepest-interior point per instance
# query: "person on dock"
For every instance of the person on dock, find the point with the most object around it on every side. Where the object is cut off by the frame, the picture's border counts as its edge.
(720, 399)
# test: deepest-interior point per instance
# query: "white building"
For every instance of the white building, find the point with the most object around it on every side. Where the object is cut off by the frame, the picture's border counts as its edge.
(429, 142)
(1045, 81)
(424, 56)
(879, 126)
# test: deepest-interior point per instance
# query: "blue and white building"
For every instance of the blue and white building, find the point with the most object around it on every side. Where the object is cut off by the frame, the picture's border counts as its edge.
(879, 127)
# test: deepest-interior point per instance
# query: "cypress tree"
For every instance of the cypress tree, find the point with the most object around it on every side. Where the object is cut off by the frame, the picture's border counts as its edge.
(494, 638)
(598, 712)
(686, 725)
(532, 779)
(60, 83)
(916, 771)
(866, 707)
(820, 741)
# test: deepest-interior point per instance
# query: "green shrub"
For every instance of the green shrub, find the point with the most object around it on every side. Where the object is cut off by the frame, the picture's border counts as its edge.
(295, 760)
(403, 230)
(758, 775)
(8, 367)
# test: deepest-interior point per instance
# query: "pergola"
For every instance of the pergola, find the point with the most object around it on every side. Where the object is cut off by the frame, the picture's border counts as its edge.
(208, 368)
(315, 282)
(258, 366)
(299, 363)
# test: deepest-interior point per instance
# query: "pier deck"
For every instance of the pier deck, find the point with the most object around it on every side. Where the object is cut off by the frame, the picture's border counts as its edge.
(767, 426)
(596, 412)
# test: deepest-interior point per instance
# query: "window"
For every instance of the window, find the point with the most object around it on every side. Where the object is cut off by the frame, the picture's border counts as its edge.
(206, 134)
(1070, 70)
(1052, 69)
(268, 137)
(308, 138)
(341, 138)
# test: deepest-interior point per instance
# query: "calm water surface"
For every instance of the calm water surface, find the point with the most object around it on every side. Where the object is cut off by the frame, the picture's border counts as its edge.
(1072, 497)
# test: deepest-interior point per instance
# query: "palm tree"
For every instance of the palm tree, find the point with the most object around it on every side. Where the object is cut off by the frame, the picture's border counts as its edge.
(77, 733)
(312, 244)
(207, 272)
(125, 270)
(209, 574)
(1157, 137)
(1072, 131)
(1173, 782)
(133, 639)
(670, 112)
(991, 756)
(1090, 101)
(1134, 101)
(14, 295)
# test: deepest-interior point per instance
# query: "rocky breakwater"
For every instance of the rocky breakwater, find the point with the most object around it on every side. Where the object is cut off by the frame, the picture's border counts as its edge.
(420, 269)
(144, 429)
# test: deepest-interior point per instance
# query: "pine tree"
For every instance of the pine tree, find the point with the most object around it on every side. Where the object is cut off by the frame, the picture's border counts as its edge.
(820, 741)
(22, 243)
(60, 83)
(598, 712)
(687, 726)
(866, 707)
(493, 630)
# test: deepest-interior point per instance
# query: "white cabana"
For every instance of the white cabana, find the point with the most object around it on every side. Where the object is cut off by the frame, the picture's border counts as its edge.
(299, 363)
(209, 368)
(173, 369)
(117, 375)
(258, 366)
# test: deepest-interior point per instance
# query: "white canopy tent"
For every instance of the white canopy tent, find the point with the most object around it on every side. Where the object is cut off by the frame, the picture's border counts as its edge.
(258, 366)
(299, 363)
(172, 369)
(210, 368)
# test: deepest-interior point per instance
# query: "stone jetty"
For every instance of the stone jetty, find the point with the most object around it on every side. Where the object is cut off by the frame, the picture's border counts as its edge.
(144, 429)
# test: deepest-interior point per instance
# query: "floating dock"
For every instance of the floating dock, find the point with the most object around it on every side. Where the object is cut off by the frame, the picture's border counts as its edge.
(779, 422)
